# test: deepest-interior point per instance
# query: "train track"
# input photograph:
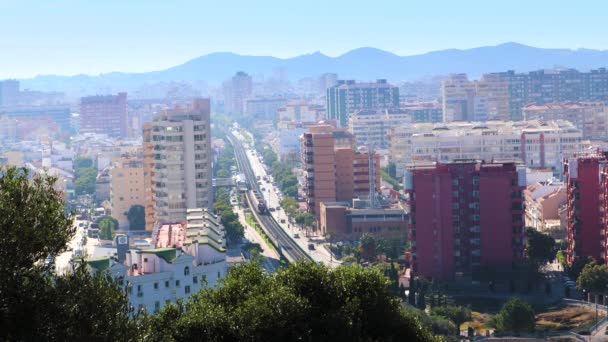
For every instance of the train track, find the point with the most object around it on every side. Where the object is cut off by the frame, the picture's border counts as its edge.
(284, 243)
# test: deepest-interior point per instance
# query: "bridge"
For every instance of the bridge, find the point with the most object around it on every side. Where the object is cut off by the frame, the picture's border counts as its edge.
(223, 182)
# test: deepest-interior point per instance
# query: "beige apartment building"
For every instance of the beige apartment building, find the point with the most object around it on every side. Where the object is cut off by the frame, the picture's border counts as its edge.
(481, 100)
(534, 143)
(126, 186)
(590, 117)
(177, 150)
(543, 201)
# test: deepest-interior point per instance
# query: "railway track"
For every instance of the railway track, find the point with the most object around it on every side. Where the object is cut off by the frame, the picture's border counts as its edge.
(284, 243)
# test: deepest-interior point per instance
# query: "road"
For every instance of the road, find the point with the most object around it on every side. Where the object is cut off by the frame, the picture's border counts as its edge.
(62, 261)
(287, 247)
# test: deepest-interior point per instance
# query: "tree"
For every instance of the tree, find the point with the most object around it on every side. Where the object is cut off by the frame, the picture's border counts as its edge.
(137, 217)
(234, 229)
(107, 227)
(578, 265)
(290, 205)
(593, 278)
(541, 247)
(301, 302)
(33, 221)
(368, 246)
(456, 314)
(515, 316)
(305, 220)
(35, 304)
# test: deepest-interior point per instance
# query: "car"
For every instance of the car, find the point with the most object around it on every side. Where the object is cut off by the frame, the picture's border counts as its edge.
(282, 220)
(271, 209)
(311, 246)
(296, 235)
(279, 208)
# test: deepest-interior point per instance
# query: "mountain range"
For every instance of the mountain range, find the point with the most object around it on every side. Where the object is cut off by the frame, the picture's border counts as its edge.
(361, 64)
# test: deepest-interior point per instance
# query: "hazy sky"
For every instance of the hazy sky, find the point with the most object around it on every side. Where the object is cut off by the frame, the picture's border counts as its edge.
(93, 36)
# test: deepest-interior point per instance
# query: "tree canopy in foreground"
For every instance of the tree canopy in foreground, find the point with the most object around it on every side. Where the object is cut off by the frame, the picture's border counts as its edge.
(307, 302)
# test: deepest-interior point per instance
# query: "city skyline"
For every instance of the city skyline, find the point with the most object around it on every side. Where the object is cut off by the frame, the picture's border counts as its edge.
(68, 37)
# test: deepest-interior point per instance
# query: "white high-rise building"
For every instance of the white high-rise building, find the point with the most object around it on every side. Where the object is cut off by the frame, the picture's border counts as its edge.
(179, 144)
(534, 143)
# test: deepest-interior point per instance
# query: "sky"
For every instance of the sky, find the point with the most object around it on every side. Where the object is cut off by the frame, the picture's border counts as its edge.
(68, 37)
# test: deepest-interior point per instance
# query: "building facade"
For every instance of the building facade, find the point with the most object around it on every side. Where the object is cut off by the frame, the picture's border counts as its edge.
(464, 100)
(264, 108)
(590, 117)
(587, 189)
(180, 142)
(126, 186)
(536, 144)
(236, 91)
(333, 169)
(372, 128)
(347, 97)
(343, 222)
(153, 278)
(104, 115)
(464, 216)
(547, 86)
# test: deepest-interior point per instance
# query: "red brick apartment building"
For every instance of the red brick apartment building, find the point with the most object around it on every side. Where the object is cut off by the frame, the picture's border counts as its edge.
(104, 114)
(465, 215)
(587, 193)
(334, 169)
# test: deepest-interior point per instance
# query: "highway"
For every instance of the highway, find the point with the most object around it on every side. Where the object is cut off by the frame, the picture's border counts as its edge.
(284, 243)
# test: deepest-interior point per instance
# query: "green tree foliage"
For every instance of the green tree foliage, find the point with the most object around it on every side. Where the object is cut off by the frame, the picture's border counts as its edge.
(389, 175)
(85, 175)
(368, 247)
(593, 278)
(35, 304)
(137, 217)
(541, 247)
(290, 205)
(234, 229)
(457, 314)
(302, 302)
(83, 163)
(306, 220)
(107, 227)
(578, 265)
(33, 221)
(515, 316)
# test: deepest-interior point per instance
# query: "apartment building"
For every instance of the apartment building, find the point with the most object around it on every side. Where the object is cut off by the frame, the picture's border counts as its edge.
(264, 108)
(464, 100)
(372, 128)
(333, 169)
(104, 114)
(180, 171)
(465, 215)
(534, 143)
(549, 86)
(236, 91)
(587, 193)
(543, 201)
(347, 97)
(590, 117)
(126, 186)
(187, 257)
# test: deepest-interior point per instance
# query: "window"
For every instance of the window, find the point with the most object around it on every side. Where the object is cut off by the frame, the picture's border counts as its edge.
(186, 270)
(167, 283)
(121, 281)
(145, 259)
(195, 280)
(156, 286)
(156, 306)
(177, 283)
(187, 289)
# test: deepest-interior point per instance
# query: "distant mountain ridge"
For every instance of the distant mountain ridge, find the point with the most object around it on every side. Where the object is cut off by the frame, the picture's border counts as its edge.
(364, 63)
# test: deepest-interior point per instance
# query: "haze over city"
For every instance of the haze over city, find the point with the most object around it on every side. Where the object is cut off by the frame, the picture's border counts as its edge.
(303, 170)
